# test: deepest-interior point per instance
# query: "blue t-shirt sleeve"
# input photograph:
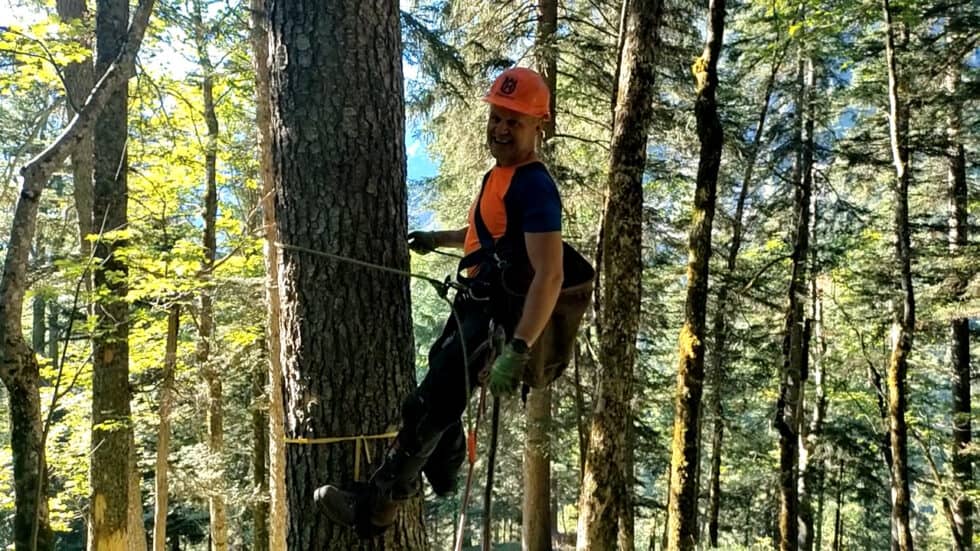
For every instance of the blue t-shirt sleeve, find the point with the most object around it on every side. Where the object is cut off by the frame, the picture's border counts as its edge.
(540, 202)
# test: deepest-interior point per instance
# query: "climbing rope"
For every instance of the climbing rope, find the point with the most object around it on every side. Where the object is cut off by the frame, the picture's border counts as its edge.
(442, 286)
(360, 443)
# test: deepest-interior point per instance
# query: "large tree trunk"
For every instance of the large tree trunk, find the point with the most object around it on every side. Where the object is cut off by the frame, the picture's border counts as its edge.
(210, 372)
(111, 419)
(604, 487)
(163, 430)
(789, 411)
(18, 366)
(536, 529)
(685, 456)
(960, 327)
(536, 518)
(722, 313)
(275, 488)
(338, 143)
(79, 78)
(903, 327)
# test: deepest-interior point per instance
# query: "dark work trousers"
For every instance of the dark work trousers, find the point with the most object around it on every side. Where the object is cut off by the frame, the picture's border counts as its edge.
(434, 410)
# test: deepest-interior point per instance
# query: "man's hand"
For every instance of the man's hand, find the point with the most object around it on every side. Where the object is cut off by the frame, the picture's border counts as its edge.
(422, 241)
(505, 375)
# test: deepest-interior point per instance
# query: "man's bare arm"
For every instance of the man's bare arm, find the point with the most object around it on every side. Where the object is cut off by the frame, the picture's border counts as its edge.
(544, 250)
(450, 238)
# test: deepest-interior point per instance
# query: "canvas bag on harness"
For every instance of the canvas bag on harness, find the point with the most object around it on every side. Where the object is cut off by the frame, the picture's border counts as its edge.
(503, 275)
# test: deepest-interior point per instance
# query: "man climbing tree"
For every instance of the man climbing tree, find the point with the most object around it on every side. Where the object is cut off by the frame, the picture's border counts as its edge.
(513, 241)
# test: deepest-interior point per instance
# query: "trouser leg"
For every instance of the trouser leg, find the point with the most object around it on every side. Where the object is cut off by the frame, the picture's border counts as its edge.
(430, 430)
(431, 433)
(443, 466)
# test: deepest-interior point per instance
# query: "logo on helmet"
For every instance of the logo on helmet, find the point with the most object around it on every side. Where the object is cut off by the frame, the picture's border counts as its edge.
(508, 86)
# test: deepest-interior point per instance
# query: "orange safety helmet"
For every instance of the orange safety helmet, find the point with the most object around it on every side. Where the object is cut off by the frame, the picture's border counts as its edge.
(521, 90)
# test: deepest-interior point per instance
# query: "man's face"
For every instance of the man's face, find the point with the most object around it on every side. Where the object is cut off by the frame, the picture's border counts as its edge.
(512, 136)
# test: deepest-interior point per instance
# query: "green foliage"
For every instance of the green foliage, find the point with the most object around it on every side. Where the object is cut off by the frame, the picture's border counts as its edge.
(457, 48)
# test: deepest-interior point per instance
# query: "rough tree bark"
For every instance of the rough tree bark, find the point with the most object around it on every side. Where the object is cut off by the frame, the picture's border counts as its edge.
(723, 312)
(18, 366)
(339, 167)
(111, 428)
(685, 457)
(903, 328)
(960, 328)
(790, 407)
(604, 487)
(273, 517)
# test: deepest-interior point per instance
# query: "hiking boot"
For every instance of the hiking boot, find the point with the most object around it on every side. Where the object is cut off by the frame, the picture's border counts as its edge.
(362, 508)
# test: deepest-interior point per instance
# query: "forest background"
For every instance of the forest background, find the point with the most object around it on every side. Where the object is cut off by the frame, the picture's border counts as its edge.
(794, 434)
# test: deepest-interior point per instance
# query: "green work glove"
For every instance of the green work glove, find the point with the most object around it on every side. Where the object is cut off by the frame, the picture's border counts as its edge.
(421, 241)
(505, 375)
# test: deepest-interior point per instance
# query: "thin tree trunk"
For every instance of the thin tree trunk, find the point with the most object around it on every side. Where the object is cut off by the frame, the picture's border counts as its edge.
(818, 520)
(54, 333)
(111, 417)
(717, 374)
(960, 328)
(809, 438)
(685, 455)
(163, 431)
(604, 488)
(536, 518)
(18, 366)
(536, 529)
(275, 489)
(337, 90)
(39, 305)
(260, 453)
(209, 372)
(903, 327)
(79, 78)
(789, 410)
(136, 531)
(580, 413)
(838, 522)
